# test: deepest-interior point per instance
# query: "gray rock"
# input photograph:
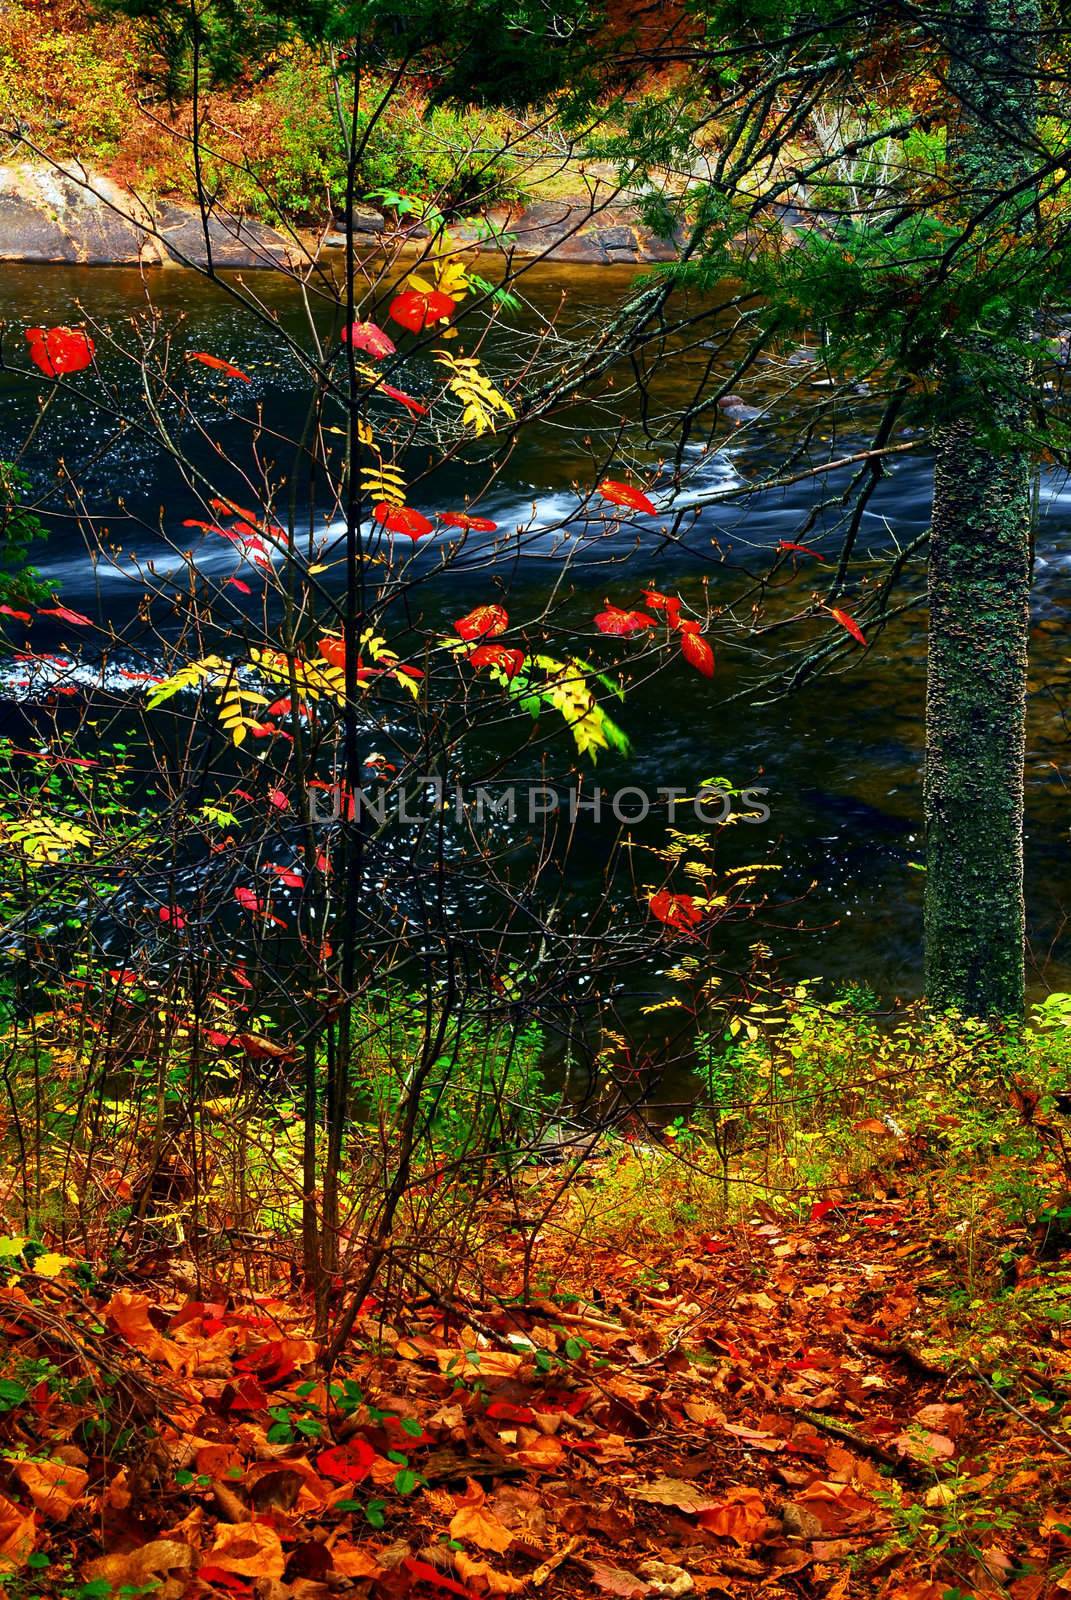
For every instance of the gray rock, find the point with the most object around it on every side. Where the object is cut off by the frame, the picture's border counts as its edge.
(232, 241)
(69, 215)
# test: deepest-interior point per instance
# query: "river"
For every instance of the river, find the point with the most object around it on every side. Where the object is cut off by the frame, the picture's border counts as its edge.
(841, 760)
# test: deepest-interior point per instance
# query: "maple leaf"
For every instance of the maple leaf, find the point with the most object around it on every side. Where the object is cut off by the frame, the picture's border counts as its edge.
(675, 910)
(697, 653)
(416, 311)
(848, 622)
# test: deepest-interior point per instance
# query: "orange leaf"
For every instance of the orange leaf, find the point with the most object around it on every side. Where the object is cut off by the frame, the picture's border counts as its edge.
(129, 1314)
(250, 1549)
(55, 1487)
(848, 622)
(146, 1567)
(476, 1525)
(18, 1533)
(218, 366)
(741, 1516)
(483, 1572)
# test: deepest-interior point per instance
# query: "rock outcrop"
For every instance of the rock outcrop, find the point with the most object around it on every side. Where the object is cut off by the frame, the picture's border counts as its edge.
(78, 218)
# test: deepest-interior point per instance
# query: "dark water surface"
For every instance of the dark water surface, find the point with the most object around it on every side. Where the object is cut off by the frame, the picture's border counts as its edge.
(841, 760)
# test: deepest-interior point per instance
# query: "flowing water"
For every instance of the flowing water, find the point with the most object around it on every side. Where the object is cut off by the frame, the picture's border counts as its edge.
(841, 760)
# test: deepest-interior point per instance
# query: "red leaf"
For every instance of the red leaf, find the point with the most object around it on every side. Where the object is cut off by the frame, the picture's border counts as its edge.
(461, 519)
(496, 655)
(66, 615)
(675, 910)
(623, 494)
(58, 350)
(621, 624)
(800, 549)
(402, 519)
(416, 311)
(346, 1463)
(697, 653)
(237, 583)
(246, 1395)
(333, 651)
(269, 1363)
(822, 1208)
(278, 799)
(485, 622)
(424, 1572)
(403, 399)
(372, 340)
(228, 1581)
(248, 899)
(663, 602)
(848, 622)
(503, 1411)
(176, 919)
(286, 875)
(217, 365)
(21, 616)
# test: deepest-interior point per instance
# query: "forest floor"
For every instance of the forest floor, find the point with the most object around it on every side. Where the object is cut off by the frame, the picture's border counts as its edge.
(826, 1406)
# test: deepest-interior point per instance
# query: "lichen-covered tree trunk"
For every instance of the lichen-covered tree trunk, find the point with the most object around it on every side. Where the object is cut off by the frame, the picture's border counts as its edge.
(980, 556)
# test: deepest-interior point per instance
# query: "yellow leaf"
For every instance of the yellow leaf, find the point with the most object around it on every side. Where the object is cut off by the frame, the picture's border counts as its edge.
(50, 1265)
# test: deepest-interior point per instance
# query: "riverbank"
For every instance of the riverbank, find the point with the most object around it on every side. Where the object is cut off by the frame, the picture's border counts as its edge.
(70, 215)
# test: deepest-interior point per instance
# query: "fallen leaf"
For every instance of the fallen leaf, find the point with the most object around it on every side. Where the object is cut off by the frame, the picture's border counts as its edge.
(129, 1314)
(162, 1566)
(482, 1572)
(674, 1492)
(740, 1516)
(476, 1525)
(251, 1549)
(55, 1487)
(616, 1581)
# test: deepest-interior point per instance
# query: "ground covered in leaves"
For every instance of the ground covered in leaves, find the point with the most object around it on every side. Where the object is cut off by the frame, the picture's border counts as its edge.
(798, 1407)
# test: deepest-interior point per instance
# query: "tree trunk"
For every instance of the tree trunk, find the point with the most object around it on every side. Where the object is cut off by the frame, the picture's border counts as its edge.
(980, 559)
